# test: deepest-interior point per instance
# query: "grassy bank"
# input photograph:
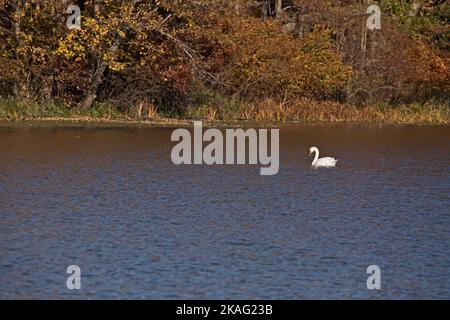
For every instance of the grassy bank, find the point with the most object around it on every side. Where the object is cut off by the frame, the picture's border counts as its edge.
(303, 110)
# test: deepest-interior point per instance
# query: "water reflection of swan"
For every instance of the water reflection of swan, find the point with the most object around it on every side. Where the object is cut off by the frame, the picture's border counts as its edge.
(322, 162)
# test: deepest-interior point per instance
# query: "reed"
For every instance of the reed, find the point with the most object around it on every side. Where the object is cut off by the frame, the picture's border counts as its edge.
(269, 110)
(307, 110)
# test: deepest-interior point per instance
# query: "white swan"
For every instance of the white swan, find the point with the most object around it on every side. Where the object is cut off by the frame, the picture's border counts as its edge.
(322, 162)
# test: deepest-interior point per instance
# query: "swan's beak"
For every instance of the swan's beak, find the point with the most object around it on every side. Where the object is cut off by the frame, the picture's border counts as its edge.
(310, 153)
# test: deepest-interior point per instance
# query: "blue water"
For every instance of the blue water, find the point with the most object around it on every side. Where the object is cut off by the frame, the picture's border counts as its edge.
(111, 201)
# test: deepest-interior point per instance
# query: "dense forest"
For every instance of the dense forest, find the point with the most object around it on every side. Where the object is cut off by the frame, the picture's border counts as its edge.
(212, 57)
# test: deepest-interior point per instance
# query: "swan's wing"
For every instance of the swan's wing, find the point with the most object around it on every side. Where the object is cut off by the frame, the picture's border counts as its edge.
(327, 162)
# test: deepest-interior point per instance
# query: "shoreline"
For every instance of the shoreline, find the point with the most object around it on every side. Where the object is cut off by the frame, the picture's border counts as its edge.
(99, 122)
(15, 113)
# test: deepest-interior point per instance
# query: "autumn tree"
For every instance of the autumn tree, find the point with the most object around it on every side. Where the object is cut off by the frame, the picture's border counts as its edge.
(135, 52)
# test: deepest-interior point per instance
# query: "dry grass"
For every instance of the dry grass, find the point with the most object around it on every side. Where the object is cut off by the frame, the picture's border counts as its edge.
(145, 110)
(303, 110)
(307, 110)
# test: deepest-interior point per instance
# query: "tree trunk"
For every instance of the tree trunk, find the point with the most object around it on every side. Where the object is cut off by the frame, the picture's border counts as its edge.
(415, 8)
(19, 87)
(97, 80)
(97, 7)
(364, 36)
(47, 88)
(363, 42)
(17, 21)
(278, 7)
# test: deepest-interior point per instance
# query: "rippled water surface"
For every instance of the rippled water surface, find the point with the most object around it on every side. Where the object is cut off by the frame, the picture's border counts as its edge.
(111, 201)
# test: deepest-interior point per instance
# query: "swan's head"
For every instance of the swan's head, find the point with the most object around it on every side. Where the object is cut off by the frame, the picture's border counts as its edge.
(312, 150)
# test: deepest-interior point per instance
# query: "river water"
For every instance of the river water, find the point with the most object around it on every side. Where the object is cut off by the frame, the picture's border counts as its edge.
(110, 201)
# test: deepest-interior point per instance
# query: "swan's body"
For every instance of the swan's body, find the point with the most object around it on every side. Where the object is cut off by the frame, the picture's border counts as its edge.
(322, 162)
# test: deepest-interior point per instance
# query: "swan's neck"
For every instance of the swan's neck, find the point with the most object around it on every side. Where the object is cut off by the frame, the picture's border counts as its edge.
(316, 157)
